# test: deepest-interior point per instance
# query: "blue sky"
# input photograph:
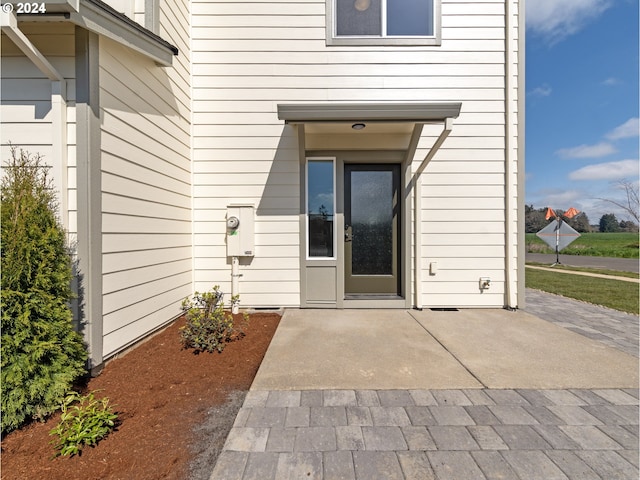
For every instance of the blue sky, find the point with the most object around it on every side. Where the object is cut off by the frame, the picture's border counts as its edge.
(582, 103)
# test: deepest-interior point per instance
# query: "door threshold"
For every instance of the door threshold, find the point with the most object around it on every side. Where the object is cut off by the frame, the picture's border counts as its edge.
(372, 296)
(374, 301)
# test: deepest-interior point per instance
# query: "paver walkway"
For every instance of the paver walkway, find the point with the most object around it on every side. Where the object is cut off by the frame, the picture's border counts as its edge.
(611, 327)
(428, 434)
(458, 434)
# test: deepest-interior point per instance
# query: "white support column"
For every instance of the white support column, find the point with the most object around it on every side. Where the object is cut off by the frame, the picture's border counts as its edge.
(59, 127)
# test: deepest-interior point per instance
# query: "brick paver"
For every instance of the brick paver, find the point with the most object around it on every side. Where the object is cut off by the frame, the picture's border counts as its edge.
(566, 435)
(614, 328)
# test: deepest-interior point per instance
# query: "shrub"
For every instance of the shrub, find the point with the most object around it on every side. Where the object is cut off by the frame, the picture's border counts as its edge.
(85, 423)
(208, 326)
(41, 353)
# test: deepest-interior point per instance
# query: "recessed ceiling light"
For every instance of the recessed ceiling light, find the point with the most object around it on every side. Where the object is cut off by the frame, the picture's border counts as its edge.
(358, 126)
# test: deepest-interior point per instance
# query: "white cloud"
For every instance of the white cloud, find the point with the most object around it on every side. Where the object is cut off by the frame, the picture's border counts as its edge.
(555, 198)
(543, 90)
(598, 150)
(611, 82)
(629, 129)
(557, 19)
(607, 171)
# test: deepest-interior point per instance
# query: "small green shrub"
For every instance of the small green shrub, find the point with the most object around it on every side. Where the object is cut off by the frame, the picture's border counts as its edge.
(85, 421)
(208, 326)
(41, 354)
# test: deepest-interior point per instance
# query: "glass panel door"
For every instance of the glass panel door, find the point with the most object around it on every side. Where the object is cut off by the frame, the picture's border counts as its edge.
(371, 229)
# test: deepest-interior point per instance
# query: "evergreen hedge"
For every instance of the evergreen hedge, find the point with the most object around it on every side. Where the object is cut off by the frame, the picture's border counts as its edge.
(41, 354)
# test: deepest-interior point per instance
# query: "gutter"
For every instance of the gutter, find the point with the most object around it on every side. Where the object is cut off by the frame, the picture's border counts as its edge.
(417, 207)
(100, 18)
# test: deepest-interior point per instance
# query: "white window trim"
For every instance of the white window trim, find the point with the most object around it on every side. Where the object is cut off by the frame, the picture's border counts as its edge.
(334, 40)
(306, 208)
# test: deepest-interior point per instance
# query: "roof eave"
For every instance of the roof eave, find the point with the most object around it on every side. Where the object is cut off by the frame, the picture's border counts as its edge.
(98, 17)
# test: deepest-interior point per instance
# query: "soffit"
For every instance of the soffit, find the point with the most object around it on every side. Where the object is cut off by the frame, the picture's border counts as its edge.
(388, 126)
(98, 17)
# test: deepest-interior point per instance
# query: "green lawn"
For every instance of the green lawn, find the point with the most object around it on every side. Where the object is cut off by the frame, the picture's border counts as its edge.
(600, 271)
(621, 245)
(616, 294)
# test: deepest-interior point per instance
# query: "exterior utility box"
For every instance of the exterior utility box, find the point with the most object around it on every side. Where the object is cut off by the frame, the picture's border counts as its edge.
(240, 230)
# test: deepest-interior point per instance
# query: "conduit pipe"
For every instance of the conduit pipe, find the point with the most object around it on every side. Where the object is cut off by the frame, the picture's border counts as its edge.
(9, 26)
(235, 283)
(417, 209)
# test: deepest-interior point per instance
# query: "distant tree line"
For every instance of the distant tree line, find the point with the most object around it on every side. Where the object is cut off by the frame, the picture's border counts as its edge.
(535, 221)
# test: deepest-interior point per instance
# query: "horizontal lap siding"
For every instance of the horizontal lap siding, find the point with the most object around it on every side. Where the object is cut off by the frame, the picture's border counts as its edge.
(147, 249)
(250, 57)
(26, 102)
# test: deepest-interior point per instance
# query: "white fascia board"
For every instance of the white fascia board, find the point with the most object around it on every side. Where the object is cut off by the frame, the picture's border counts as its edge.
(368, 112)
(98, 17)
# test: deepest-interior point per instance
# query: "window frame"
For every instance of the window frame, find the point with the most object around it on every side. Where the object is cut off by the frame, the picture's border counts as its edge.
(306, 207)
(334, 40)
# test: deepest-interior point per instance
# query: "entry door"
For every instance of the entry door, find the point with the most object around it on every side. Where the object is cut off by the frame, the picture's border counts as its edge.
(371, 237)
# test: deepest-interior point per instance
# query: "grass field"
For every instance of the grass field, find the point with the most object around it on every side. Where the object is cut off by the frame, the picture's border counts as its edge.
(620, 245)
(615, 294)
(600, 271)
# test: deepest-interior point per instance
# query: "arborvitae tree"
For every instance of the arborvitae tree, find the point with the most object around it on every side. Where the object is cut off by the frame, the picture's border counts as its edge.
(609, 223)
(580, 223)
(41, 353)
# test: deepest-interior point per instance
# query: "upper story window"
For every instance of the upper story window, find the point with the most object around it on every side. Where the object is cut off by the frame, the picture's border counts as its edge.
(383, 22)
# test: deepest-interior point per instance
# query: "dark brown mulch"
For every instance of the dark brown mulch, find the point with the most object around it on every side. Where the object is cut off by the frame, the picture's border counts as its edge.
(163, 395)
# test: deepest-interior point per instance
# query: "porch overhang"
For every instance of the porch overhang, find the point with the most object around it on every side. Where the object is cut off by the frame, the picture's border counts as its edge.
(365, 126)
(422, 113)
(98, 17)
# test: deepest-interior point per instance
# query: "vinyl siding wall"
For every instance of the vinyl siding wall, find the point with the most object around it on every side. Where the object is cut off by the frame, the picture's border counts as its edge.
(26, 111)
(146, 184)
(250, 56)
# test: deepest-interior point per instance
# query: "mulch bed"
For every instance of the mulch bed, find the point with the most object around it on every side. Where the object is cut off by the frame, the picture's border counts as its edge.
(163, 395)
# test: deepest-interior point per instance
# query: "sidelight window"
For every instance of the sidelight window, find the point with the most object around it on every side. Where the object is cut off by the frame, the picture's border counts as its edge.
(321, 208)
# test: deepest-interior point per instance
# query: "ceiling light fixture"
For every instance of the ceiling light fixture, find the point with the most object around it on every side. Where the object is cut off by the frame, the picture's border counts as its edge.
(358, 126)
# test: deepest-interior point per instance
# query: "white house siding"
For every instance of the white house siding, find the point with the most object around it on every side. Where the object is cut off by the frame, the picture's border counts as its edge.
(248, 57)
(463, 193)
(26, 113)
(146, 184)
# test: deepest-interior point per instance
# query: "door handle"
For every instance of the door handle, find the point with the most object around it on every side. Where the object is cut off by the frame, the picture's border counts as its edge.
(348, 233)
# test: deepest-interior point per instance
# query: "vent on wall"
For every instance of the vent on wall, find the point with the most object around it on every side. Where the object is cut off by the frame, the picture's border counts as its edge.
(443, 309)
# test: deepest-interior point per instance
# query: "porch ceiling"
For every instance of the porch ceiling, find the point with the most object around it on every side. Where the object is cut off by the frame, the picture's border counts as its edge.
(383, 126)
(98, 17)
(324, 128)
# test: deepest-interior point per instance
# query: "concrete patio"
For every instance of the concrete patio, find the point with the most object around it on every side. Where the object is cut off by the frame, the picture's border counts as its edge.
(455, 395)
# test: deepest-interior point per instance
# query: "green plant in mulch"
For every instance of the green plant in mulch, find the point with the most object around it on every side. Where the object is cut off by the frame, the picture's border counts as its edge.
(85, 421)
(208, 327)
